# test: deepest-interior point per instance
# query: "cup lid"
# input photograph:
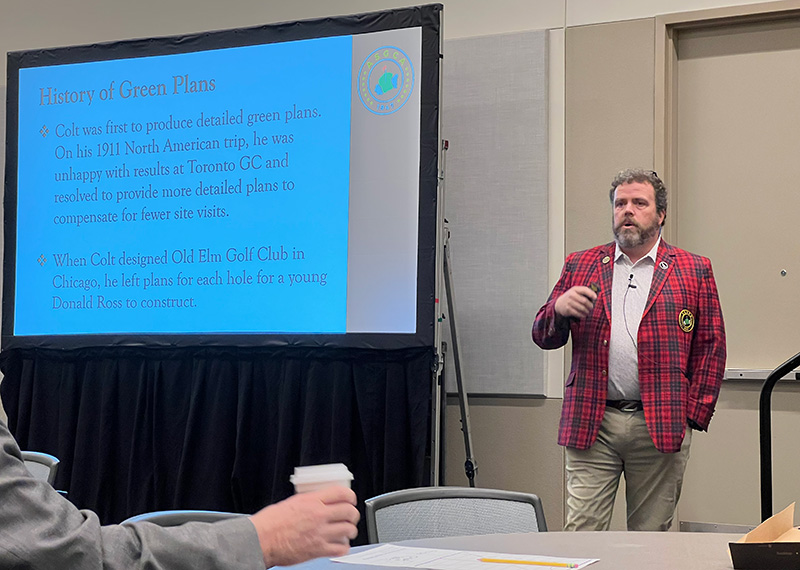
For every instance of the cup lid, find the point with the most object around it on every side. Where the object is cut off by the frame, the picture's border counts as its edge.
(317, 473)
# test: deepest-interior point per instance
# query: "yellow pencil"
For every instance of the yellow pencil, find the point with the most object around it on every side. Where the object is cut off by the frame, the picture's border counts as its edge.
(531, 562)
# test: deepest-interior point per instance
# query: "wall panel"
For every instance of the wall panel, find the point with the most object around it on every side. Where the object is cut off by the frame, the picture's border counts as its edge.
(495, 119)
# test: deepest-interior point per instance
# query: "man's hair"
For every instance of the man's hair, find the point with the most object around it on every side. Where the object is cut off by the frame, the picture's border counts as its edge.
(642, 176)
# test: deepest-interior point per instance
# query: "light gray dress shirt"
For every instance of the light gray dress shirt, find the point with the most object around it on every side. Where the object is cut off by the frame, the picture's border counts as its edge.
(630, 290)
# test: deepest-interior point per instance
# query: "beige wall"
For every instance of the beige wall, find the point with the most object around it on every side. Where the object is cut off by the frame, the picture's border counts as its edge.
(601, 82)
(609, 120)
(514, 448)
(584, 12)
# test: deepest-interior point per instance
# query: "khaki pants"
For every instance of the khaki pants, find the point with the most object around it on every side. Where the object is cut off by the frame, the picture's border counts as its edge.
(652, 479)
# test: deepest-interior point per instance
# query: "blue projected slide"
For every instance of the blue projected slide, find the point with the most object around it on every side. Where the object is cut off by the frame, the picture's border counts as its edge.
(192, 193)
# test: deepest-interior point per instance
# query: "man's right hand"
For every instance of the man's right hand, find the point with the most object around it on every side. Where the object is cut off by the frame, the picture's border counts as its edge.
(306, 526)
(576, 302)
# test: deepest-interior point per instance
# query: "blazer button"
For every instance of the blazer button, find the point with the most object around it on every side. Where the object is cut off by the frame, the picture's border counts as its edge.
(605, 343)
(604, 373)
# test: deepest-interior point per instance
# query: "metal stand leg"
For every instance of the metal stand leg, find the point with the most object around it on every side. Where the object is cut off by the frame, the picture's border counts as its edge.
(470, 465)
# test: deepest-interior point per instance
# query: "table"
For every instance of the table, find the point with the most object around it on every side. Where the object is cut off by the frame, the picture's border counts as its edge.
(616, 550)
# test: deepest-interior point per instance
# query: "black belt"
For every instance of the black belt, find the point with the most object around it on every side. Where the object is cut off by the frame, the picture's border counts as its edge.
(626, 405)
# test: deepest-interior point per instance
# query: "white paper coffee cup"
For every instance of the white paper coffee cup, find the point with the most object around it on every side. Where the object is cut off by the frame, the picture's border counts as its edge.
(316, 477)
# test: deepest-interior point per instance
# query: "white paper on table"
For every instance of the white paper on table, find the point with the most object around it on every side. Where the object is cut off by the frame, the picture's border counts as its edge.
(440, 559)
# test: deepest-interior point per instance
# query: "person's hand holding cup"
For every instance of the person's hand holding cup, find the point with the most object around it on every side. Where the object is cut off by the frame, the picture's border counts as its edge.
(319, 520)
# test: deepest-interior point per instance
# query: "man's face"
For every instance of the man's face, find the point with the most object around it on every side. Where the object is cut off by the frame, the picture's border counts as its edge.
(636, 221)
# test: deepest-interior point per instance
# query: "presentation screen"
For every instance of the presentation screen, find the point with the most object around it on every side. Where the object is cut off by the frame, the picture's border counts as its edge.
(269, 185)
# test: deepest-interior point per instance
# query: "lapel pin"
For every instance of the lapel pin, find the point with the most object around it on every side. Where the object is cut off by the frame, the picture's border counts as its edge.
(663, 265)
(606, 259)
(686, 320)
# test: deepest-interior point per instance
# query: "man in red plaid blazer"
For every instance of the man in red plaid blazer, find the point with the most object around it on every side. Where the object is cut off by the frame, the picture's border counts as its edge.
(648, 358)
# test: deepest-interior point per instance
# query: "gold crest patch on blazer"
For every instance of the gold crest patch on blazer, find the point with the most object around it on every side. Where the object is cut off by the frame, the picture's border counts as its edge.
(686, 320)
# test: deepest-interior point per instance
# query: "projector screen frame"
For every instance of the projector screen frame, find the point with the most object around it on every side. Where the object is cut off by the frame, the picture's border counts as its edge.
(429, 259)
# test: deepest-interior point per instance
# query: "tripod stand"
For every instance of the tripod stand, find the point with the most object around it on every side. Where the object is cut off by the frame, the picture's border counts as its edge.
(470, 465)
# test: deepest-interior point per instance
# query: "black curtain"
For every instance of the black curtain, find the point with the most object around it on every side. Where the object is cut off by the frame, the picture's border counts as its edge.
(142, 429)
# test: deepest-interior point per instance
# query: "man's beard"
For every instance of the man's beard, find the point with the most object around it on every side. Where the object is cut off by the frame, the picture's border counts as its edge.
(635, 236)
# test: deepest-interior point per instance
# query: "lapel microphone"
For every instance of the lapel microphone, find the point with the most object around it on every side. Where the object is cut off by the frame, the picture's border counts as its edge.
(630, 281)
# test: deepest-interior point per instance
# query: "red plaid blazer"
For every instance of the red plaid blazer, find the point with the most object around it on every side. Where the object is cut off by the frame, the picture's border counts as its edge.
(679, 372)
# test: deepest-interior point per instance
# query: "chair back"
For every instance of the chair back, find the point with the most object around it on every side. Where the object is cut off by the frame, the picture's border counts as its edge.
(41, 465)
(179, 517)
(435, 512)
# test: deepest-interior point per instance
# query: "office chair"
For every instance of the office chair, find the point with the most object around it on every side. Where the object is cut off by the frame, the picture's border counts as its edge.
(41, 465)
(179, 517)
(434, 512)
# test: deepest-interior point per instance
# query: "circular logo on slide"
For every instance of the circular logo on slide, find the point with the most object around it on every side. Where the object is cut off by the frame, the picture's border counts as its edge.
(385, 80)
